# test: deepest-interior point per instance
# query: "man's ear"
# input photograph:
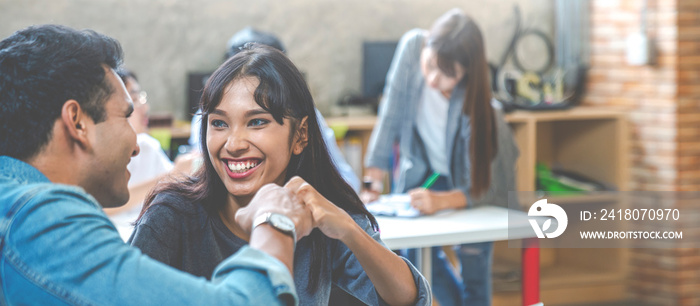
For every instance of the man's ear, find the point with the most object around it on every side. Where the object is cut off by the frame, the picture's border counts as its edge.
(75, 121)
(301, 139)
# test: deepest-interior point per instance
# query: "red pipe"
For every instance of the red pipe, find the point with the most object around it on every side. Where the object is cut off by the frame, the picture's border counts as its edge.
(531, 271)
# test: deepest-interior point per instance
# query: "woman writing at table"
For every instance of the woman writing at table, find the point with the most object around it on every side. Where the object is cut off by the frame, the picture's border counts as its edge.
(437, 106)
(259, 127)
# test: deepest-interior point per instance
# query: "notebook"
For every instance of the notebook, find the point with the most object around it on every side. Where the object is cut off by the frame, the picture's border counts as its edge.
(394, 205)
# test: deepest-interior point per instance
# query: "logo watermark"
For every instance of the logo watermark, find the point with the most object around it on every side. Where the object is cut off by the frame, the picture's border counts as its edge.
(543, 209)
(627, 219)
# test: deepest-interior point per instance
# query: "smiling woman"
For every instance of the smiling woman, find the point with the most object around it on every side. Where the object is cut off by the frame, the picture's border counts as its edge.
(259, 122)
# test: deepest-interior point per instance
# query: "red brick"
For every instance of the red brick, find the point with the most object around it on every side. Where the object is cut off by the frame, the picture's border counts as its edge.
(687, 47)
(667, 61)
(688, 174)
(658, 175)
(688, 162)
(688, 117)
(689, 76)
(691, 147)
(688, 18)
(691, 32)
(689, 91)
(666, 46)
(655, 147)
(688, 5)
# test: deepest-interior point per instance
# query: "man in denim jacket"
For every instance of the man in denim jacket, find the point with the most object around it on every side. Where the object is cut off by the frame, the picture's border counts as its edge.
(64, 145)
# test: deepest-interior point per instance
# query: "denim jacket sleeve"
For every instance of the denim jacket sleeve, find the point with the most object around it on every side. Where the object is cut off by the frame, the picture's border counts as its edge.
(392, 109)
(349, 275)
(60, 247)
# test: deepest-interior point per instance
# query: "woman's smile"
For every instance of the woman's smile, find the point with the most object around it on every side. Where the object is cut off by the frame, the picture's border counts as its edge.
(241, 168)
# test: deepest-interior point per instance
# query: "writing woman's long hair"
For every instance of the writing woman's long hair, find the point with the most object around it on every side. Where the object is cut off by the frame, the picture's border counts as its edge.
(455, 37)
(284, 93)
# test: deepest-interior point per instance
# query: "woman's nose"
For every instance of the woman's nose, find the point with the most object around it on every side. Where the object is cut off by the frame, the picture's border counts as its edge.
(237, 142)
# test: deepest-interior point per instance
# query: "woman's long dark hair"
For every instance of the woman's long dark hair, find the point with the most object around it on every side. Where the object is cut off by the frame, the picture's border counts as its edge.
(282, 92)
(456, 38)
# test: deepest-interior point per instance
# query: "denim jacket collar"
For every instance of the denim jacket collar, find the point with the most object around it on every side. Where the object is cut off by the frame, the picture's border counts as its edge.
(20, 171)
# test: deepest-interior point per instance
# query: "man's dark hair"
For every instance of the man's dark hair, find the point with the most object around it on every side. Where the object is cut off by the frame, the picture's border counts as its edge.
(42, 67)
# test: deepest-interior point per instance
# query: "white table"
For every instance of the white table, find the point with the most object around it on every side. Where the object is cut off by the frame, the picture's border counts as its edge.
(482, 224)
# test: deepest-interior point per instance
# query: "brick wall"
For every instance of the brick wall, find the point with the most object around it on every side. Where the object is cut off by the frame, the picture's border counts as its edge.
(688, 94)
(687, 261)
(663, 101)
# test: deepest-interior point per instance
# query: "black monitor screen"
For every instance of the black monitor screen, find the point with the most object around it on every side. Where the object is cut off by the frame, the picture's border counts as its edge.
(195, 85)
(376, 59)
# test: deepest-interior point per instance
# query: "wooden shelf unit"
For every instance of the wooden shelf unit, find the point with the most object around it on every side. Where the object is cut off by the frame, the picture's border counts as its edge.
(354, 127)
(589, 141)
(592, 142)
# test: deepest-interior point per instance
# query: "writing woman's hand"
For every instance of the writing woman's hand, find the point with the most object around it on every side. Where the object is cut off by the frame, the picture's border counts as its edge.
(424, 201)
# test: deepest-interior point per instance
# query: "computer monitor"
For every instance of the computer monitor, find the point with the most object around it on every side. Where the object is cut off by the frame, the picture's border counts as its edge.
(195, 85)
(376, 60)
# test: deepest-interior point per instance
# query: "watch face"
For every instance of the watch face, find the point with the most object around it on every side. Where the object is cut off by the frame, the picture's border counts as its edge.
(282, 222)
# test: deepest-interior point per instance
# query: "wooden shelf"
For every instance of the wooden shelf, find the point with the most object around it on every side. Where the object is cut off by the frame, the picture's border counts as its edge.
(562, 276)
(575, 199)
(565, 284)
(566, 296)
(570, 276)
(577, 113)
(364, 123)
(353, 129)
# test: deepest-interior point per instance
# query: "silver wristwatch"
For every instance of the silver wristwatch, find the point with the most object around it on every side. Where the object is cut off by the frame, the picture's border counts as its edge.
(280, 222)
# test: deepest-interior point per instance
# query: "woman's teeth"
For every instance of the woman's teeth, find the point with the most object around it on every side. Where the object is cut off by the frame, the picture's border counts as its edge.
(241, 167)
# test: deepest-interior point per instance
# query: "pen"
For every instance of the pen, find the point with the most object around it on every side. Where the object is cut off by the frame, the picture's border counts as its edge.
(431, 180)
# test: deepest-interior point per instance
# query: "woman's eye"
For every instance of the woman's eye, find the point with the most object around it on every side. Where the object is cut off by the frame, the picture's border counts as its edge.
(218, 123)
(257, 122)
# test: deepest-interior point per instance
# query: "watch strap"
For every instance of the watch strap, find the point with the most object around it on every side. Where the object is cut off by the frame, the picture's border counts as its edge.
(266, 218)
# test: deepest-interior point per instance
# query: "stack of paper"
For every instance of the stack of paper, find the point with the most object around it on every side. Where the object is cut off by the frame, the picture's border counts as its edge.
(395, 205)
